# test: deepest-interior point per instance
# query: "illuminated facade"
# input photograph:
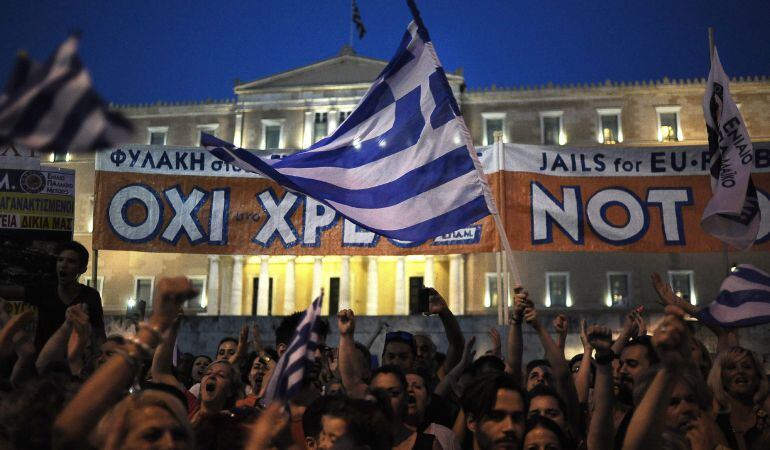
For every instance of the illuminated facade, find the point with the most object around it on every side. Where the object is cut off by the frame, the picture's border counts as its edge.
(293, 109)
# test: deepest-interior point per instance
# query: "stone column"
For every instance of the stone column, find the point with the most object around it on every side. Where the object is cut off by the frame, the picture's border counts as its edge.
(331, 121)
(400, 307)
(263, 294)
(318, 280)
(461, 309)
(429, 277)
(345, 283)
(307, 134)
(290, 286)
(212, 287)
(238, 135)
(454, 283)
(236, 286)
(372, 293)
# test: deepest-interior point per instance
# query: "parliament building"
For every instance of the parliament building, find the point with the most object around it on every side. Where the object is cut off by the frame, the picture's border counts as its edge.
(293, 109)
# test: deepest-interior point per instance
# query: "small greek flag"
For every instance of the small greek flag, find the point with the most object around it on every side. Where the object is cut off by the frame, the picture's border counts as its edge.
(357, 20)
(54, 107)
(732, 215)
(743, 300)
(286, 380)
(401, 165)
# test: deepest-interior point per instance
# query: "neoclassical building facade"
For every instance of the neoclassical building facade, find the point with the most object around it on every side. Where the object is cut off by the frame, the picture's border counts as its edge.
(290, 110)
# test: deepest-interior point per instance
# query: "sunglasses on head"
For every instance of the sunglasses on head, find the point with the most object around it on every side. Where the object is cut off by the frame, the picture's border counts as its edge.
(403, 336)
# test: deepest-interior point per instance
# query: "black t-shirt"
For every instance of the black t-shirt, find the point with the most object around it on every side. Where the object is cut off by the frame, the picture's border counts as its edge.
(51, 309)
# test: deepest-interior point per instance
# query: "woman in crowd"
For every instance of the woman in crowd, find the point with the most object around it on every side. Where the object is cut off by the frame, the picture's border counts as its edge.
(740, 391)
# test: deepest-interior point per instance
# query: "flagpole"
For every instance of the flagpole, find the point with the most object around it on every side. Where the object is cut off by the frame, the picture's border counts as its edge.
(500, 154)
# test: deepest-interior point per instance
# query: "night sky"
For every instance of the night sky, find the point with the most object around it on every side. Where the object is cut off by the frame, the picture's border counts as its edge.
(144, 51)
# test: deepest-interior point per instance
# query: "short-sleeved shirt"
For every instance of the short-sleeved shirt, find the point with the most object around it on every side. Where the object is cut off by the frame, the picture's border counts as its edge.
(51, 310)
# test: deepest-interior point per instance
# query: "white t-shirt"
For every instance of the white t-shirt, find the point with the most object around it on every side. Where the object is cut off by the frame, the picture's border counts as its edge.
(444, 436)
(195, 390)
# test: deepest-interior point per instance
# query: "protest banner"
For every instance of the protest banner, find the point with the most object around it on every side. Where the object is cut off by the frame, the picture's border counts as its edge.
(37, 210)
(185, 200)
(642, 199)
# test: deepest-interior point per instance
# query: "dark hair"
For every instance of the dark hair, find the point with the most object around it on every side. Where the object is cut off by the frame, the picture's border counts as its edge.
(577, 360)
(367, 424)
(426, 378)
(547, 391)
(537, 363)
(392, 369)
(289, 324)
(400, 336)
(481, 394)
(544, 422)
(76, 247)
(227, 339)
(311, 418)
(487, 363)
(116, 338)
(646, 342)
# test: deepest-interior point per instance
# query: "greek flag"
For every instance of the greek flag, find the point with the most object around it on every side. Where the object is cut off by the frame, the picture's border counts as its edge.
(743, 300)
(401, 165)
(287, 377)
(732, 215)
(53, 106)
(358, 21)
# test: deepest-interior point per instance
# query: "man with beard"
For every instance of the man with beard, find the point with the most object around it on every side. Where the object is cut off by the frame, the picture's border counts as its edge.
(495, 412)
(635, 360)
(52, 300)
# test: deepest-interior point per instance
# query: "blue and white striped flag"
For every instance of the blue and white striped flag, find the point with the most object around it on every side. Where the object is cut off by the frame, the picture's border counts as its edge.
(287, 376)
(54, 106)
(743, 300)
(401, 165)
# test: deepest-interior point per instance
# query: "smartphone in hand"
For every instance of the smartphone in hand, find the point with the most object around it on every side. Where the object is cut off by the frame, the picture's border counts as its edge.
(423, 299)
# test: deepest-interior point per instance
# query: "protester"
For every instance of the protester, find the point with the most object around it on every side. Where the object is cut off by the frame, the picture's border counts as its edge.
(53, 299)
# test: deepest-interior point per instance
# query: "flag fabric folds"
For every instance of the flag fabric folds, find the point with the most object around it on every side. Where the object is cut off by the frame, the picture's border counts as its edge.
(287, 376)
(54, 107)
(743, 300)
(732, 215)
(358, 21)
(401, 165)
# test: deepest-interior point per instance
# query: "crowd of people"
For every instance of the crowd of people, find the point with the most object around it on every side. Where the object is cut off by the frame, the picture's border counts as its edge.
(70, 386)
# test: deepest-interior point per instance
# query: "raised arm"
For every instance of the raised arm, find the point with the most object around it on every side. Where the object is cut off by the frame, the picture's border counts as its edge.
(559, 367)
(630, 330)
(162, 369)
(601, 430)
(583, 379)
(242, 350)
(106, 385)
(515, 341)
(454, 335)
(351, 376)
(561, 325)
(671, 343)
(666, 296)
(445, 386)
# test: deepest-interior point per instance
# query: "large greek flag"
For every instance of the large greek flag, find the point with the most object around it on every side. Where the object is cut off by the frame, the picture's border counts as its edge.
(401, 165)
(743, 300)
(54, 106)
(287, 377)
(732, 215)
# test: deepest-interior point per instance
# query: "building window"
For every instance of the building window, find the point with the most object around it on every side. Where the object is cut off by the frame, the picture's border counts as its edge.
(209, 128)
(618, 288)
(610, 129)
(99, 283)
(157, 135)
(343, 115)
(493, 122)
(143, 289)
(552, 128)
(669, 125)
(681, 282)
(491, 296)
(272, 133)
(60, 156)
(320, 126)
(557, 289)
(199, 302)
